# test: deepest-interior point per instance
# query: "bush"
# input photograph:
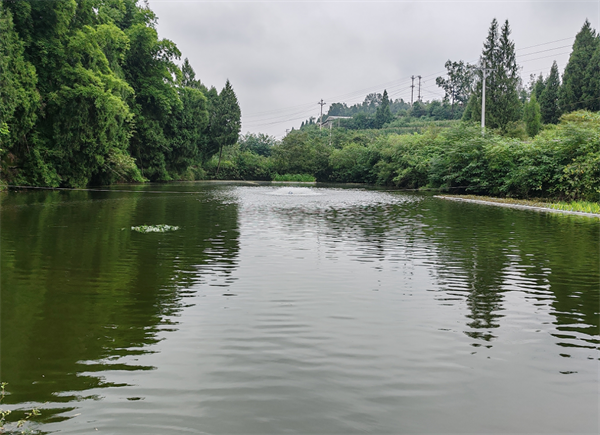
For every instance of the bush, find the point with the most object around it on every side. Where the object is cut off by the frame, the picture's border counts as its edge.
(303, 178)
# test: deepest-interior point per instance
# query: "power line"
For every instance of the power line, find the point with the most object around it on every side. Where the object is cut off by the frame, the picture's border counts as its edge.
(543, 51)
(545, 43)
(545, 57)
(265, 119)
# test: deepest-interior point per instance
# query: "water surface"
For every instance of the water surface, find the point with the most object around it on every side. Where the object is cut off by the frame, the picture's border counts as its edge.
(280, 309)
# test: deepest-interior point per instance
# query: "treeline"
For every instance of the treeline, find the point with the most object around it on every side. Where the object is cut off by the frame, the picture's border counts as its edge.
(90, 95)
(562, 161)
(515, 108)
(549, 148)
(378, 110)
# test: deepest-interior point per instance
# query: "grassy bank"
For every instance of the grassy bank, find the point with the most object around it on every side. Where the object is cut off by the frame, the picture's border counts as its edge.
(573, 206)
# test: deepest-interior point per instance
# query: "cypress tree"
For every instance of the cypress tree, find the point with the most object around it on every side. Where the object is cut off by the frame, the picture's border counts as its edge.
(502, 97)
(591, 90)
(383, 113)
(532, 116)
(539, 86)
(549, 98)
(227, 120)
(572, 95)
(508, 105)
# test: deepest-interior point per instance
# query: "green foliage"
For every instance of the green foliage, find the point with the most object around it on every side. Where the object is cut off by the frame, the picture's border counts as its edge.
(240, 164)
(299, 178)
(115, 108)
(549, 97)
(459, 84)
(304, 152)
(19, 99)
(226, 121)
(150, 69)
(532, 116)
(20, 423)
(591, 88)
(538, 86)
(502, 104)
(383, 115)
(581, 206)
(260, 144)
(573, 93)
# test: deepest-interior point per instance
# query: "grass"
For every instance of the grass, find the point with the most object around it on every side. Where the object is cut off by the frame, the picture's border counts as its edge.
(583, 206)
(303, 178)
(578, 206)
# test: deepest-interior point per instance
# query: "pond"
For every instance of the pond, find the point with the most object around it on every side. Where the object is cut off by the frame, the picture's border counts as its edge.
(274, 309)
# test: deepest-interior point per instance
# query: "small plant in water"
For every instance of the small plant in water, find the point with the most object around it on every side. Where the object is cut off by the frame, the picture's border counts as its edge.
(5, 413)
(154, 228)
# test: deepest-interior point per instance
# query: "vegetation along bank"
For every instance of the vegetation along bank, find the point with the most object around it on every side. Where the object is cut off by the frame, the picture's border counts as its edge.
(89, 95)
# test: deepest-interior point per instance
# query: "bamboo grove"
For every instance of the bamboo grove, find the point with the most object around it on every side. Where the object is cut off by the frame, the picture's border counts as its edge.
(89, 94)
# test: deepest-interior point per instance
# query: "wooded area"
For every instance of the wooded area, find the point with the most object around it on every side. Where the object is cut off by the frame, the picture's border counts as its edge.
(89, 94)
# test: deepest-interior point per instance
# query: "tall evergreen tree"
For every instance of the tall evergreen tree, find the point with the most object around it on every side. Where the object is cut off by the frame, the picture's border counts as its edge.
(591, 89)
(502, 97)
(572, 96)
(227, 120)
(383, 113)
(508, 105)
(549, 98)
(538, 86)
(532, 116)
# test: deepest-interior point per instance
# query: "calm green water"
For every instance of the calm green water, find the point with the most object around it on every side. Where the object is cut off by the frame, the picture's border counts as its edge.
(296, 310)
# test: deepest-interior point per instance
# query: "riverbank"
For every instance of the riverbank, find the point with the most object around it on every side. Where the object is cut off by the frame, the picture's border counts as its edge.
(580, 209)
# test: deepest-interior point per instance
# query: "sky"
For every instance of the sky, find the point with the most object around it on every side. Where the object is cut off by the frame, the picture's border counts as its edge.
(283, 57)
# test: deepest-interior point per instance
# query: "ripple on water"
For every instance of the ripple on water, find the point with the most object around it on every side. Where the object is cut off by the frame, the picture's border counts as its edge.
(315, 311)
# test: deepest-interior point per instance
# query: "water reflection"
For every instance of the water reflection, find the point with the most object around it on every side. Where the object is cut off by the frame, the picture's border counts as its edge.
(83, 295)
(476, 253)
(367, 310)
(553, 259)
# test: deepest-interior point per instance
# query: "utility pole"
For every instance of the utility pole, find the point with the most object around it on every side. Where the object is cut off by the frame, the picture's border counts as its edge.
(321, 103)
(484, 70)
(419, 99)
(412, 89)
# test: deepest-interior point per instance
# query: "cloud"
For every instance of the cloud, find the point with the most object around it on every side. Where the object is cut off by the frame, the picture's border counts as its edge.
(281, 55)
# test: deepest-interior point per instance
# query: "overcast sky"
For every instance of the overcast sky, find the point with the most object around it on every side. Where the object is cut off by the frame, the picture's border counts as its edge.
(282, 57)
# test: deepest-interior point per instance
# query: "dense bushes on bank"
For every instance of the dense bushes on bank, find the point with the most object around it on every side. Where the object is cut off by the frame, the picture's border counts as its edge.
(563, 161)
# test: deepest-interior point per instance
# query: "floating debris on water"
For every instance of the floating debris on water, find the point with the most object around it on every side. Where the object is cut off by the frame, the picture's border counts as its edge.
(154, 228)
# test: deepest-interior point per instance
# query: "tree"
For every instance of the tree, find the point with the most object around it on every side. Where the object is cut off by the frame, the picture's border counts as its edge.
(151, 71)
(260, 143)
(19, 99)
(226, 121)
(372, 101)
(502, 82)
(459, 84)
(549, 97)
(532, 116)
(538, 86)
(383, 114)
(572, 96)
(591, 89)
